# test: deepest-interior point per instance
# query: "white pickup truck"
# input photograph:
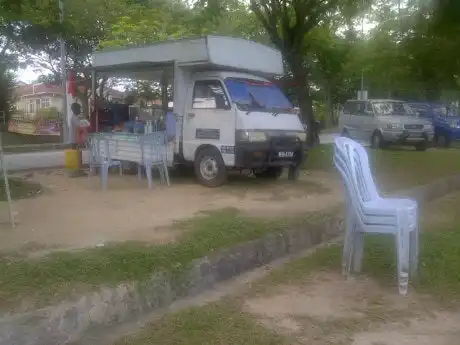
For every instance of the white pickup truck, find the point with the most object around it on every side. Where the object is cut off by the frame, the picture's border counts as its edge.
(228, 114)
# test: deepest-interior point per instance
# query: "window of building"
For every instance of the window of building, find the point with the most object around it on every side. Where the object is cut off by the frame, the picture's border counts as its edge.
(210, 94)
(45, 102)
(30, 107)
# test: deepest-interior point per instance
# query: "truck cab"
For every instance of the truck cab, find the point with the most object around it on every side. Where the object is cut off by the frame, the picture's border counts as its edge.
(228, 115)
(445, 120)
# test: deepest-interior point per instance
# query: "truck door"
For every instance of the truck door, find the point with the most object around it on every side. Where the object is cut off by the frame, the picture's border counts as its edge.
(368, 121)
(209, 119)
(357, 120)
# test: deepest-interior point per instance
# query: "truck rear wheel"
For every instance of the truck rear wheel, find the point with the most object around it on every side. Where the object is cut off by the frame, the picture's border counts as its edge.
(442, 140)
(422, 146)
(271, 173)
(377, 141)
(210, 169)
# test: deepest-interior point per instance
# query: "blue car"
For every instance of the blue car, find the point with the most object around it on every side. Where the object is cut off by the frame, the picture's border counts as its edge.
(446, 122)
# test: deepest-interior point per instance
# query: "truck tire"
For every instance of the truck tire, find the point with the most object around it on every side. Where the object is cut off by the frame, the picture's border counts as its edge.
(294, 173)
(422, 146)
(271, 173)
(210, 169)
(442, 140)
(377, 141)
(345, 134)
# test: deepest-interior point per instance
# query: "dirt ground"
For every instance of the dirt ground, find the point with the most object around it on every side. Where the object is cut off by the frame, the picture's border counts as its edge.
(331, 310)
(76, 213)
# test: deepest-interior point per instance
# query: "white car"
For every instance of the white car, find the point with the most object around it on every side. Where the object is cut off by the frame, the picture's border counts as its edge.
(384, 121)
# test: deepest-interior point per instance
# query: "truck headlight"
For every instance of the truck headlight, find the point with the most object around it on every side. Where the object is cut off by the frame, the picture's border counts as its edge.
(395, 126)
(302, 136)
(252, 136)
(454, 124)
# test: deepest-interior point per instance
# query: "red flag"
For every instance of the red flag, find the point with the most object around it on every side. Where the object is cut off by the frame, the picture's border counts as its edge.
(71, 84)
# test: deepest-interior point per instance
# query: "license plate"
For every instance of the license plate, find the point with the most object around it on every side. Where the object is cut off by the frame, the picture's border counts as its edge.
(285, 154)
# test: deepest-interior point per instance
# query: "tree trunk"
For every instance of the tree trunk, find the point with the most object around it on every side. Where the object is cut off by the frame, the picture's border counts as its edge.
(300, 76)
(328, 105)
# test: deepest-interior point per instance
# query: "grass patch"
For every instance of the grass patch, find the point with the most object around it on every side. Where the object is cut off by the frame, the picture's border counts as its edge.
(396, 168)
(217, 323)
(439, 264)
(16, 139)
(19, 189)
(225, 323)
(53, 276)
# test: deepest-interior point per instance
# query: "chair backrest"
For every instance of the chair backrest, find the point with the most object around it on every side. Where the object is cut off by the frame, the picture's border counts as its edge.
(351, 160)
(155, 147)
(96, 149)
(148, 148)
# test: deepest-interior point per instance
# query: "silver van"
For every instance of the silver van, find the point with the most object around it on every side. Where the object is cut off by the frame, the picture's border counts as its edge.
(384, 121)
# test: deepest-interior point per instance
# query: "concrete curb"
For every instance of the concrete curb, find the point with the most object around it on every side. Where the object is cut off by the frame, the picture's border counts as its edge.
(68, 322)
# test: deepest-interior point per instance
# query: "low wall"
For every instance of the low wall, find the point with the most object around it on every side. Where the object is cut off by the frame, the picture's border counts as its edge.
(67, 322)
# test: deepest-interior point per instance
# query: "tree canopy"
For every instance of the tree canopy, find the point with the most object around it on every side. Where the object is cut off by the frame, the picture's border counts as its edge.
(409, 53)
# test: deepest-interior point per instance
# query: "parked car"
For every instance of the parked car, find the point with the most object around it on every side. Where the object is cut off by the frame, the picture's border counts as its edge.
(446, 122)
(384, 121)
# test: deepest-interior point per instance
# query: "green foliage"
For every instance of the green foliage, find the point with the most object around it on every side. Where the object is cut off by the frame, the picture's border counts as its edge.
(6, 89)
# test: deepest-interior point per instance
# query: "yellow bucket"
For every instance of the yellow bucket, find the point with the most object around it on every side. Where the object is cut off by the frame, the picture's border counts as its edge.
(72, 159)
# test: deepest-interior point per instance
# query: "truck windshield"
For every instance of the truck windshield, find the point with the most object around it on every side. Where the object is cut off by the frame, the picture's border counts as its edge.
(428, 110)
(442, 110)
(251, 94)
(392, 108)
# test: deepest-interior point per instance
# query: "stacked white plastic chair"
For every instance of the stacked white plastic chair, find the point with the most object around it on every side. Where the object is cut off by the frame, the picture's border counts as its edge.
(368, 212)
(99, 157)
(154, 148)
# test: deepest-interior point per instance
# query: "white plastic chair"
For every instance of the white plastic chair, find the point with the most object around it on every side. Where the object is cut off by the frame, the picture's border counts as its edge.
(154, 147)
(101, 160)
(368, 212)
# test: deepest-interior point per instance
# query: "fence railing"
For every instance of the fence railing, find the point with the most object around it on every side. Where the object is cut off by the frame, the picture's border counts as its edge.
(34, 125)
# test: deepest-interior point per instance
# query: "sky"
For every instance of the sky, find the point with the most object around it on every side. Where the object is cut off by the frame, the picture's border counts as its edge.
(27, 75)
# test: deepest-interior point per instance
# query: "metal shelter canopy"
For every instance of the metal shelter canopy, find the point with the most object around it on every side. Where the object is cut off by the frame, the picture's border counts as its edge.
(209, 52)
(138, 70)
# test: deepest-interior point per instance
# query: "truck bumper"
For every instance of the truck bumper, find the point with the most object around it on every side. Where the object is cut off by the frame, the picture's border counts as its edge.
(455, 133)
(405, 137)
(275, 152)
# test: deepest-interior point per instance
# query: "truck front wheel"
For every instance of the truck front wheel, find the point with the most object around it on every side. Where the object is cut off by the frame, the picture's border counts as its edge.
(210, 169)
(271, 173)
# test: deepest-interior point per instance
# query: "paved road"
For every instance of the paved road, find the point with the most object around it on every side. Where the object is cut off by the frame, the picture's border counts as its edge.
(52, 159)
(327, 138)
(37, 160)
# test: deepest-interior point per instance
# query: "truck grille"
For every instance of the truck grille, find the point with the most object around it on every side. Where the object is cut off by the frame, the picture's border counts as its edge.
(284, 142)
(413, 126)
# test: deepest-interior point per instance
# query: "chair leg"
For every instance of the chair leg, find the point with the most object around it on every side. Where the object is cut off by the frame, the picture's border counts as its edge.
(162, 174)
(414, 251)
(402, 250)
(148, 172)
(90, 170)
(358, 251)
(166, 173)
(348, 244)
(139, 172)
(104, 175)
(120, 170)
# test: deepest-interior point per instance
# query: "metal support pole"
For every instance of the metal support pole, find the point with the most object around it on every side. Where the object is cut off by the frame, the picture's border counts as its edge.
(164, 93)
(362, 37)
(6, 182)
(94, 95)
(65, 118)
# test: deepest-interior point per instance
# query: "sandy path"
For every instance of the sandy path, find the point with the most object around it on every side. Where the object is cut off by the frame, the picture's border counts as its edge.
(75, 213)
(331, 310)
